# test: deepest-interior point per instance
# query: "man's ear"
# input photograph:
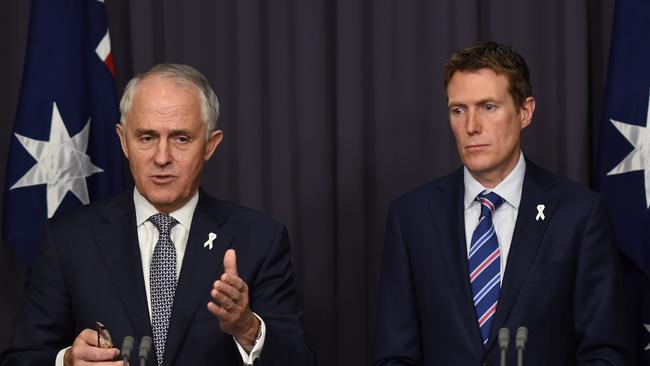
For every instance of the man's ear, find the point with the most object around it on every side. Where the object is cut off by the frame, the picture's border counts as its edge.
(214, 139)
(526, 112)
(121, 133)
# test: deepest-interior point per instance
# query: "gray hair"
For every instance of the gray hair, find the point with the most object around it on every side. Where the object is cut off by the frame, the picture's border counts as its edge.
(183, 75)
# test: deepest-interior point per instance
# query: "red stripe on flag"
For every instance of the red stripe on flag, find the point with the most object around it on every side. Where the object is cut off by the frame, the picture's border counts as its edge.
(109, 63)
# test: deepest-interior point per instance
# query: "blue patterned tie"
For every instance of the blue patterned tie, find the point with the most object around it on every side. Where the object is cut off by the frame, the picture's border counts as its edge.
(485, 264)
(162, 281)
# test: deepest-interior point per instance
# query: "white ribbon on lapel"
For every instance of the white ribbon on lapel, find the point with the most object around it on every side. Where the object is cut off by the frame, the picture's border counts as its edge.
(211, 238)
(540, 213)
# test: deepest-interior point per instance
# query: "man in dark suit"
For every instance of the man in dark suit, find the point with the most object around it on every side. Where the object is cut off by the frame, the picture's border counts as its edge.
(209, 281)
(498, 243)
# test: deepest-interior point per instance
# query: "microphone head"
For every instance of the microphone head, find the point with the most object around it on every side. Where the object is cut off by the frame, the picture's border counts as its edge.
(521, 337)
(145, 347)
(127, 347)
(504, 338)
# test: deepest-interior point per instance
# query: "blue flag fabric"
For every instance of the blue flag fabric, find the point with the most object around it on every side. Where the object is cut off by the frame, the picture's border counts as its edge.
(64, 151)
(624, 158)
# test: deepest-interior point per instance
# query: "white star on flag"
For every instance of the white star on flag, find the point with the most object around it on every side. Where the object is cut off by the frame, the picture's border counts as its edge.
(62, 163)
(639, 158)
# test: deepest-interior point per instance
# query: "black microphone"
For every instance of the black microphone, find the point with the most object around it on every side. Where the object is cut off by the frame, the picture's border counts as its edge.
(520, 339)
(145, 347)
(127, 347)
(504, 338)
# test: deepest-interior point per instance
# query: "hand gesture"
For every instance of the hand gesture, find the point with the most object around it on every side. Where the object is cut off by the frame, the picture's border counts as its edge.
(230, 303)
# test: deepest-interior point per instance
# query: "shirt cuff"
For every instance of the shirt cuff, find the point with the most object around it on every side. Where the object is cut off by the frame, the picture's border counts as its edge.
(250, 355)
(59, 357)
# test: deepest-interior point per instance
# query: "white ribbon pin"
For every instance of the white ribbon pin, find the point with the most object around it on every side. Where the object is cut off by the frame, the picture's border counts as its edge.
(208, 243)
(540, 213)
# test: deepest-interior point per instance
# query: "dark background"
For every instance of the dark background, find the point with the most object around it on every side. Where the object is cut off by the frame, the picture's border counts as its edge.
(332, 108)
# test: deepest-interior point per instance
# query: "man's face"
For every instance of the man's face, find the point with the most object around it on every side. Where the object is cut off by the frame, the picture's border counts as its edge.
(486, 123)
(164, 139)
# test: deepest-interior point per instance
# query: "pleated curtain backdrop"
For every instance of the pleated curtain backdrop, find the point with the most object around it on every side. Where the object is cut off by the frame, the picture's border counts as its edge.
(332, 108)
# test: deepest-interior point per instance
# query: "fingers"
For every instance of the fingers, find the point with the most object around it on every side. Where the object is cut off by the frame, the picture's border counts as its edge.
(93, 354)
(233, 281)
(230, 293)
(218, 311)
(100, 363)
(231, 303)
(230, 262)
(88, 336)
(223, 288)
(84, 350)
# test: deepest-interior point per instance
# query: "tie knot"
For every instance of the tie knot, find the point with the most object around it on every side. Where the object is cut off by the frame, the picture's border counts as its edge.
(490, 201)
(164, 223)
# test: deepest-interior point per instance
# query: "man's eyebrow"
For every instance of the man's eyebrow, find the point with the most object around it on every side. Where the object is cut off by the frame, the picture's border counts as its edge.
(487, 100)
(144, 131)
(179, 133)
(478, 102)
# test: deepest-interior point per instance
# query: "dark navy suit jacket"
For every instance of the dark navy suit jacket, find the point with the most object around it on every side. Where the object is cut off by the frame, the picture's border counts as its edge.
(90, 270)
(561, 280)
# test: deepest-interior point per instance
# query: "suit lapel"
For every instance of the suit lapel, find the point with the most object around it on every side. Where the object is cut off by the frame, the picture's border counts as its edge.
(526, 239)
(447, 212)
(199, 270)
(117, 241)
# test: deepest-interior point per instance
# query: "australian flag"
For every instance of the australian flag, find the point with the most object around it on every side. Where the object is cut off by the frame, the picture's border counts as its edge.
(64, 151)
(624, 156)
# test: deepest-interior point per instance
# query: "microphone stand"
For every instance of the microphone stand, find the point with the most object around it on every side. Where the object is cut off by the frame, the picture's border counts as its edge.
(504, 339)
(145, 347)
(521, 338)
(127, 347)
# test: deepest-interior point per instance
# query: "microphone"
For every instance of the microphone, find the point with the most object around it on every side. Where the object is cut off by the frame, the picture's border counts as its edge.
(127, 347)
(145, 347)
(520, 339)
(504, 338)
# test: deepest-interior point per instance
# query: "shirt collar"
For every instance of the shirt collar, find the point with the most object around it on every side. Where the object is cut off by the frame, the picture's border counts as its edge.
(144, 209)
(509, 189)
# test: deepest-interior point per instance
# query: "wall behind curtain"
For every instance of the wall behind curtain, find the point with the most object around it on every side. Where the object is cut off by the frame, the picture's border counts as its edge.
(332, 108)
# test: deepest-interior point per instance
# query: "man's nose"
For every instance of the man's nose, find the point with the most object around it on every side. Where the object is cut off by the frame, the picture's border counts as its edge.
(473, 122)
(163, 153)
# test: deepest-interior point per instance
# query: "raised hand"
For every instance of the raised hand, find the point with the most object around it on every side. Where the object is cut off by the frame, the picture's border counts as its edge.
(230, 303)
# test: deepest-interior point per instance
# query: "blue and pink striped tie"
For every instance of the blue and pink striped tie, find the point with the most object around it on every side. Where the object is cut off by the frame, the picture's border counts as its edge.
(485, 264)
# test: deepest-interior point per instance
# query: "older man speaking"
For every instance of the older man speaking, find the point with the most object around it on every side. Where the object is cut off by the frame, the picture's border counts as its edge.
(210, 282)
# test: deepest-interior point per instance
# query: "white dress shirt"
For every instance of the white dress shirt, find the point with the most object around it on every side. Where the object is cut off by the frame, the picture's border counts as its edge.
(147, 239)
(505, 217)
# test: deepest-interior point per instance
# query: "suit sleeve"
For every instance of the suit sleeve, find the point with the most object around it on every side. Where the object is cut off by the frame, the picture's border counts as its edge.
(274, 299)
(43, 326)
(598, 299)
(397, 339)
